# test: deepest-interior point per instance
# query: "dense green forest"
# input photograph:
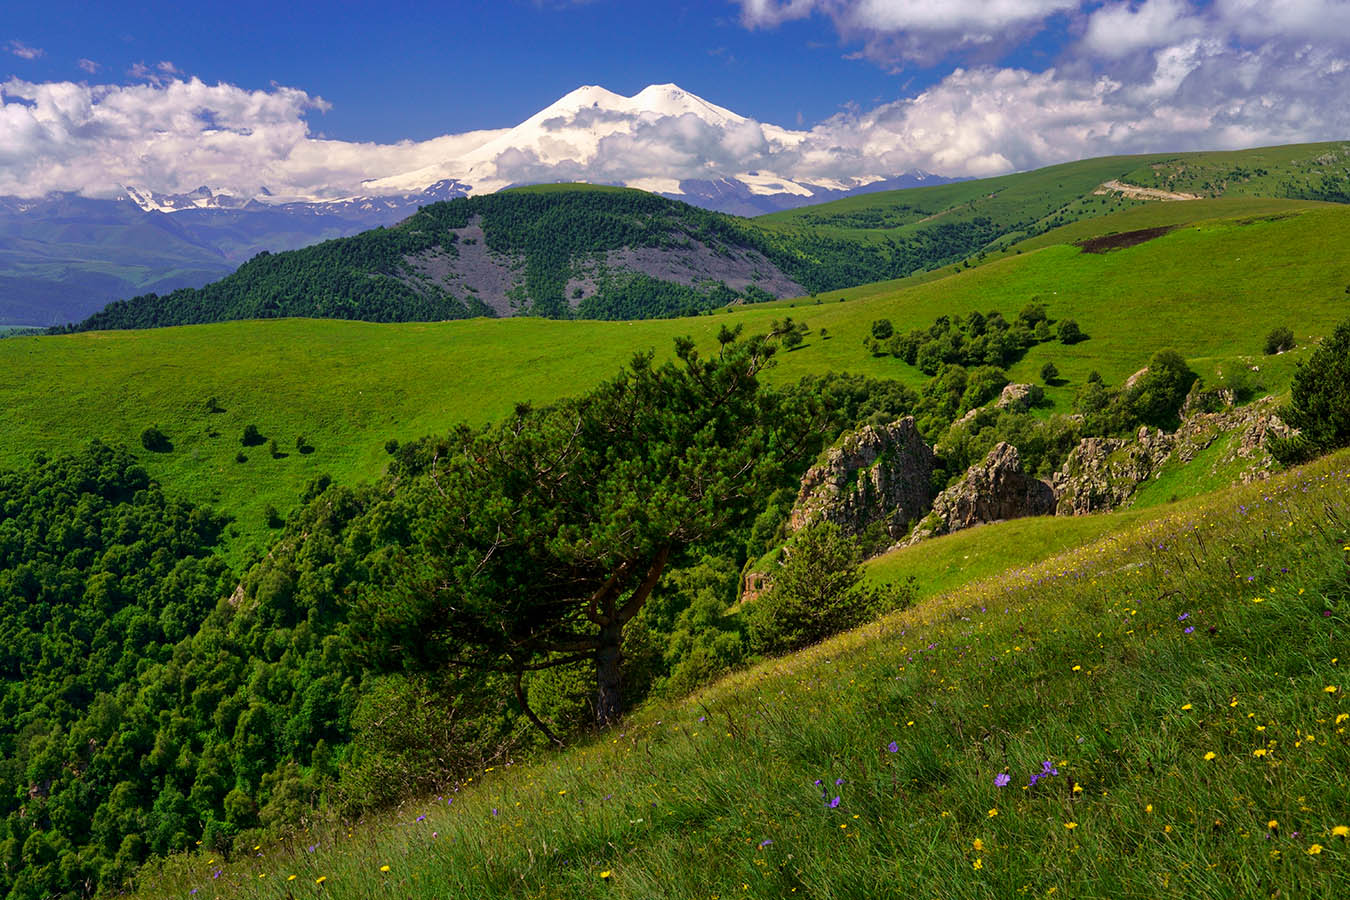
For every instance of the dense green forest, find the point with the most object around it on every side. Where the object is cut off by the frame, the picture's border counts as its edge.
(555, 234)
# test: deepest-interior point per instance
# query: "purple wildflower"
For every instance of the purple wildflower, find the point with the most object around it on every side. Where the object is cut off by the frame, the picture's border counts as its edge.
(1189, 629)
(838, 781)
(1183, 617)
(1002, 779)
(764, 843)
(216, 873)
(893, 747)
(834, 803)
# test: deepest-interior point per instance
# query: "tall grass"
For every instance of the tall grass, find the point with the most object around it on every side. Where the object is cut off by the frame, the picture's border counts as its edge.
(1178, 685)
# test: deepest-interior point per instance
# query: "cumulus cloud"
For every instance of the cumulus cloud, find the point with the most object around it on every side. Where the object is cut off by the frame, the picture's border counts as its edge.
(88, 65)
(1118, 29)
(23, 51)
(174, 135)
(897, 31)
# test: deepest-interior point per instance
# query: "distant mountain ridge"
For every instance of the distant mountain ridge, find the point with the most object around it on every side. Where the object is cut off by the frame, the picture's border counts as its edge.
(64, 256)
(568, 251)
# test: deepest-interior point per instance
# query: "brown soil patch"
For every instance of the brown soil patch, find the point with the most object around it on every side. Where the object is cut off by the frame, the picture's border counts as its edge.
(1122, 240)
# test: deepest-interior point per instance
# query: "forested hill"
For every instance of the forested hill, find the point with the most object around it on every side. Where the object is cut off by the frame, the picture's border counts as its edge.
(575, 251)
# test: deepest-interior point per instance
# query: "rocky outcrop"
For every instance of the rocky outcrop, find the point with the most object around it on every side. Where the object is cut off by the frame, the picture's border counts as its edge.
(1104, 473)
(990, 491)
(1019, 397)
(1251, 427)
(872, 475)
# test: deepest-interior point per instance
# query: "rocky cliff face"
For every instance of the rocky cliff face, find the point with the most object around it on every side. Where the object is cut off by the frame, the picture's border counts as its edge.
(1103, 473)
(873, 475)
(991, 490)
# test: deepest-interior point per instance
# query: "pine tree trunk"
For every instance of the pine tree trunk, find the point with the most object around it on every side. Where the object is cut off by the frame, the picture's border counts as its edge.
(608, 676)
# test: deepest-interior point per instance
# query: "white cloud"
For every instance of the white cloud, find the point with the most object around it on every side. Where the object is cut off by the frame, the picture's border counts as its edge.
(894, 31)
(88, 65)
(176, 135)
(1118, 29)
(23, 51)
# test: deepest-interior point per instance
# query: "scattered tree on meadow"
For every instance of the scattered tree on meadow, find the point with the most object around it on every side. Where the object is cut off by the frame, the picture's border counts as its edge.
(1319, 401)
(1049, 372)
(1069, 332)
(1279, 340)
(1156, 398)
(817, 591)
(155, 440)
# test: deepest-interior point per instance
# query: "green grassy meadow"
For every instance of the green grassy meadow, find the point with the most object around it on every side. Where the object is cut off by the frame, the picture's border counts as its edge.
(1212, 289)
(1157, 710)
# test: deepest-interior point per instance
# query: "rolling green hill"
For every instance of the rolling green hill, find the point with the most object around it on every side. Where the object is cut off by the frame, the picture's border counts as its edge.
(1030, 203)
(578, 251)
(1212, 288)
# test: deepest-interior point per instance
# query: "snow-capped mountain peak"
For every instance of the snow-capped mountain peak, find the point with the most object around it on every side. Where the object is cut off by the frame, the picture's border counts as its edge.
(662, 139)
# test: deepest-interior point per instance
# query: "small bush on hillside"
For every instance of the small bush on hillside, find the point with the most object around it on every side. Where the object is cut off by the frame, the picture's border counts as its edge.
(251, 437)
(817, 592)
(1156, 398)
(1279, 340)
(155, 440)
(1049, 372)
(1069, 332)
(882, 329)
(1319, 403)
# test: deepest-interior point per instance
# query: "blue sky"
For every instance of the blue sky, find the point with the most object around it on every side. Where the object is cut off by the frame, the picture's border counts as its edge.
(400, 70)
(323, 99)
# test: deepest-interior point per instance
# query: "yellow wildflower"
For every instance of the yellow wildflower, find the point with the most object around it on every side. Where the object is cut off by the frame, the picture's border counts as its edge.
(1071, 825)
(1273, 824)
(384, 868)
(978, 844)
(992, 813)
(1210, 755)
(979, 863)
(1185, 706)
(1341, 831)
(1314, 849)
(606, 874)
(321, 879)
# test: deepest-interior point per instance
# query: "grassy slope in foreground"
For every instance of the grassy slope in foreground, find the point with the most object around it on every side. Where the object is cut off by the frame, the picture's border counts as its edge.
(1212, 289)
(1183, 677)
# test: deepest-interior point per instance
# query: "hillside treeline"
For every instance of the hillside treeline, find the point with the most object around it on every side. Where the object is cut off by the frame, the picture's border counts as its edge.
(556, 235)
